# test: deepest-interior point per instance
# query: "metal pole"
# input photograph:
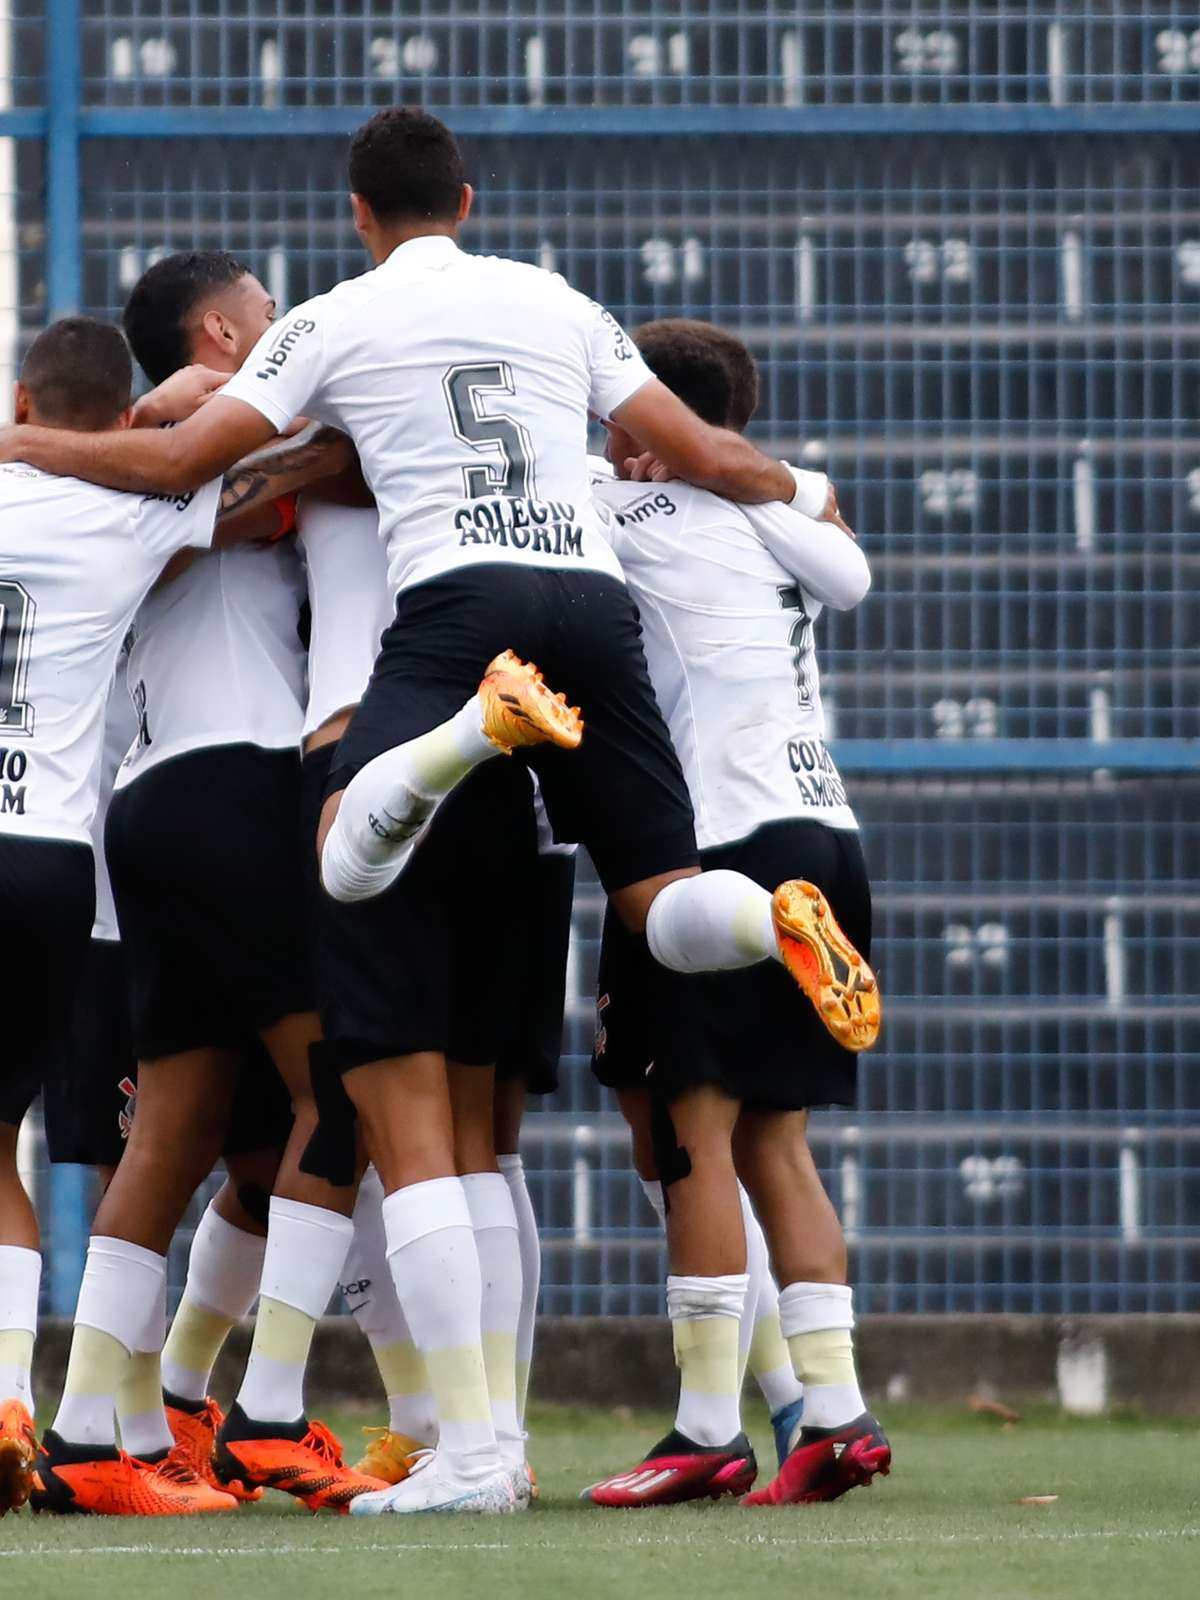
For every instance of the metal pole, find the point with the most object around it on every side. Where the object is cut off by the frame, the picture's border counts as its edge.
(9, 279)
(64, 283)
(64, 236)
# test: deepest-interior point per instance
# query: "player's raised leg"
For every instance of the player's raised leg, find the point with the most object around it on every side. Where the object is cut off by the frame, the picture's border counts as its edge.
(722, 920)
(370, 830)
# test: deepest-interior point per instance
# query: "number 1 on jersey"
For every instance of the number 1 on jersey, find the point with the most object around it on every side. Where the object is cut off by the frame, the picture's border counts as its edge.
(494, 434)
(17, 611)
(791, 598)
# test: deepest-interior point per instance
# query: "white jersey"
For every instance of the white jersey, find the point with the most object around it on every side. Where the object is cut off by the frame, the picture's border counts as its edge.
(75, 562)
(120, 727)
(465, 383)
(350, 601)
(215, 657)
(728, 596)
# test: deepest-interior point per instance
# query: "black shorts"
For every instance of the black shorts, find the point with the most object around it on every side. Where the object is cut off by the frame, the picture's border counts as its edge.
(260, 1117)
(90, 1094)
(622, 793)
(90, 1090)
(429, 964)
(531, 1052)
(47, 906)
(204, 853)
(751, 1032)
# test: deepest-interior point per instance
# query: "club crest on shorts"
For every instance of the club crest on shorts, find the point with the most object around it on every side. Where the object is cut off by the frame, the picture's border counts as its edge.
(125, 1116)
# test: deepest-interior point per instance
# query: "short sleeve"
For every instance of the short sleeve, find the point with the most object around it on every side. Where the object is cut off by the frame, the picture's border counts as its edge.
(616, 366)
(166, 523)
(286, 368)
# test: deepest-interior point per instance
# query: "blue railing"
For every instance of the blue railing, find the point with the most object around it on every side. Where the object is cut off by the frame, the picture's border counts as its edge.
(963, 240)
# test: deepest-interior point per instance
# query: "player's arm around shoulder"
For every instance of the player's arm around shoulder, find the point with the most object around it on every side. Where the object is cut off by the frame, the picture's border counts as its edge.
(258, 496)
(686, 447)
(819, 551)
(146, 460)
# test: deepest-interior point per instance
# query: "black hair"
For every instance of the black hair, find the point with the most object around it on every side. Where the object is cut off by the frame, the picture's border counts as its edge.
(407, 166)
(164, 297)
(78, 374)
(706, 367)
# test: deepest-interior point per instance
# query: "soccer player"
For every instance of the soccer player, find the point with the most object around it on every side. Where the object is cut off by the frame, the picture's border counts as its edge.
(216, 669)
(728, 598)
(466, 385)
(75, 563)
(351, 605)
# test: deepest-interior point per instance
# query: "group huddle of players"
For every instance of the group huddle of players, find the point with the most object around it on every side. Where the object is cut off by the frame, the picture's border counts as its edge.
(266, 638)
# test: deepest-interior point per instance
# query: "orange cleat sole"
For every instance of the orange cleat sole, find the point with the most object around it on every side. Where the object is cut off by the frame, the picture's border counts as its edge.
(822, 960)
(519, 710)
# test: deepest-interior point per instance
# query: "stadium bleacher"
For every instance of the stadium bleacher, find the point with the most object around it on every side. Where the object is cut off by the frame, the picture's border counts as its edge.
(962, 238)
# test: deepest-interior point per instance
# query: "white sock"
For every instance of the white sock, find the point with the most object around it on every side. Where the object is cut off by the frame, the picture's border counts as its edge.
(387, 805)
(498, 1241)
(435, 1267)
(513, 1169)
(711, 923)
(705, 1314)
(306, 1246)
(817, 1321)
(653, 1190)
(117, 1298)
(761, 1343)
(20, 1280)
(756, 1265)
(225, 1268)
(145, 1430)
(370, 1295)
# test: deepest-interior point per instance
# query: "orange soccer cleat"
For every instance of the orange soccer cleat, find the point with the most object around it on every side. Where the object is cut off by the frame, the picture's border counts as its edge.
(90, 1479)
(826, 965)
(389, 1456)
(518, 708)
(194, 1429)
(303, 1459)
(18, 1450)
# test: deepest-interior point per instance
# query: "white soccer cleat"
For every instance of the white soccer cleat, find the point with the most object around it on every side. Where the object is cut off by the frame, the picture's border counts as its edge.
(522, 1486)
(434, 1485)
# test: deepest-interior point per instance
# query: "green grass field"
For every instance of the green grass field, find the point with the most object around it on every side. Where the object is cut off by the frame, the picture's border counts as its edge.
(1127, 1521)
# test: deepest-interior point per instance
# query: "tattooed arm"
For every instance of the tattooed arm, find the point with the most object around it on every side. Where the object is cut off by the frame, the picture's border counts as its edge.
(248, 508)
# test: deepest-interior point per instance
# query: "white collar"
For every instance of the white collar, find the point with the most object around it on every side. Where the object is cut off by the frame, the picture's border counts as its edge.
(425, 247)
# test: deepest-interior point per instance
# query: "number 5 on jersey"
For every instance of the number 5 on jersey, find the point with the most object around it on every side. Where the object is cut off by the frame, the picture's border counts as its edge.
(17, 611)
(491, 433)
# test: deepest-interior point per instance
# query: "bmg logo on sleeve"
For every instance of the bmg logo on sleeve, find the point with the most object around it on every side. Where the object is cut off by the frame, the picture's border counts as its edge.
(276, 356)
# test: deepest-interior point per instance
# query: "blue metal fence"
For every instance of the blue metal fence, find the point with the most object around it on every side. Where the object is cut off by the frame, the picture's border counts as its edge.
(962, 237)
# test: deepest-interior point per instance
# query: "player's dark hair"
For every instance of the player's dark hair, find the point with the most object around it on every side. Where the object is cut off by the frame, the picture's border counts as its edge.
(164, 297)
(706, 367)
(78, 374)
(407, 166)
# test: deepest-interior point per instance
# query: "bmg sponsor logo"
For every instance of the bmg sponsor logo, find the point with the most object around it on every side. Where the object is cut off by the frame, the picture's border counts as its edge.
(276, 356)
